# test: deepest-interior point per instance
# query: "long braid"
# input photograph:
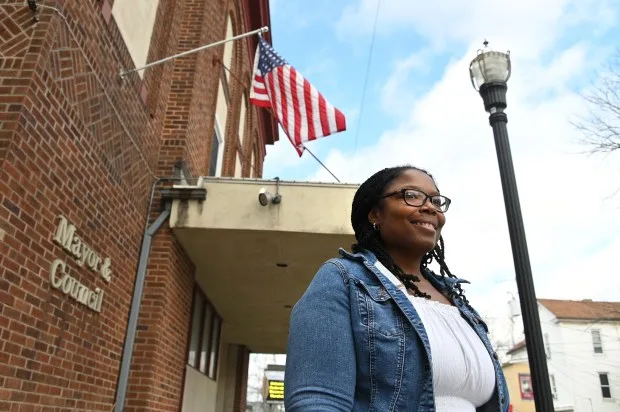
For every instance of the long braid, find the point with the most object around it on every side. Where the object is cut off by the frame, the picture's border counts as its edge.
(438, 254)
(369, 196)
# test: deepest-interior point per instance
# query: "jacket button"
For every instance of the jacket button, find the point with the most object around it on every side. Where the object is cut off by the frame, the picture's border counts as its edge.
(495, 356)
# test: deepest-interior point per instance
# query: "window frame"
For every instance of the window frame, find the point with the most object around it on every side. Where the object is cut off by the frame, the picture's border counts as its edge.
(214, 347)
(219, 159)
(554, 388)
(229, 46)
(600, 341)
(253, 172)
(605, 386)
(200, 316)
(213, 339)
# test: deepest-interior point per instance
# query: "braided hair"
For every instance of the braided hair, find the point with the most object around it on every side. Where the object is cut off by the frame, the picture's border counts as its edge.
(368, 196)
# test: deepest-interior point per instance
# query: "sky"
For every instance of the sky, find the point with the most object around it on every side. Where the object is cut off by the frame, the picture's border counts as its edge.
(411, 101)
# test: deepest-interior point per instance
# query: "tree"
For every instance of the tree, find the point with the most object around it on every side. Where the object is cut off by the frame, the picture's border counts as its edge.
(600, 128)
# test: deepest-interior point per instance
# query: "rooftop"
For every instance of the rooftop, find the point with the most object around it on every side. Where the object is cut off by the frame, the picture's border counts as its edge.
(516, 347)
(582, 309)
(585, 309)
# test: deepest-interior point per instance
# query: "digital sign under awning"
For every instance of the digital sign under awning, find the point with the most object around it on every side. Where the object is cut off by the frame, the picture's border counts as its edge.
(275, 391)
(274, 384)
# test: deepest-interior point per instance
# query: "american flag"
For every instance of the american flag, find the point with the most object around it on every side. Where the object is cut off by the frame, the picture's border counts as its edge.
(301, 110)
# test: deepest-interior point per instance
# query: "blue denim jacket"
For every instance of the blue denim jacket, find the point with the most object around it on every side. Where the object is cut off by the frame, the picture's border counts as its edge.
(356, 343)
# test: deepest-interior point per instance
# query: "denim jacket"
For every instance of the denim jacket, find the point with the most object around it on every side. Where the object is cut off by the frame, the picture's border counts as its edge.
(356, 343)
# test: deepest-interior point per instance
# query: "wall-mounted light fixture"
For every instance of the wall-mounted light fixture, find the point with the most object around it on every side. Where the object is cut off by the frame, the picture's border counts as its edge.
(265, 198)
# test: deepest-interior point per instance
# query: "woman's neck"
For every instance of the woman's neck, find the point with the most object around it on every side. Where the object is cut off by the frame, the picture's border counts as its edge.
(408, 262)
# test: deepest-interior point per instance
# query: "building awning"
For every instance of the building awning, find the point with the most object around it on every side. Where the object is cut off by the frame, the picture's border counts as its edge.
(253, 261)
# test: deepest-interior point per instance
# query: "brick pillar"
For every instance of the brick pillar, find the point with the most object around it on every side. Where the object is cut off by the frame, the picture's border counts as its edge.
(23, 43)
(190, 112)
(158, 367)
(241, 384)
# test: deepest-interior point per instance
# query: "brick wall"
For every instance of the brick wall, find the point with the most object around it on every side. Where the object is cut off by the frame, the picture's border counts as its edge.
(78, 142)
(241, 387)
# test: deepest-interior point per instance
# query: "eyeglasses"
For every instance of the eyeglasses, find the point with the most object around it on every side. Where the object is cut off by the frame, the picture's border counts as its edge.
(417, 198)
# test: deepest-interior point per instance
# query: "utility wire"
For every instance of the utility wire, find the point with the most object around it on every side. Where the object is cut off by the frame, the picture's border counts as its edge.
(361, 109)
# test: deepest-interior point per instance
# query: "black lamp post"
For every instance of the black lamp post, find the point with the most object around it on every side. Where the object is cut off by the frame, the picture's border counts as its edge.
(489, 71)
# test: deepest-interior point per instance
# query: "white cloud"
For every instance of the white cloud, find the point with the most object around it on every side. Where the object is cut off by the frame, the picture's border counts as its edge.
(391, 92)
(571, 228)
(281, 155)
(530, 26)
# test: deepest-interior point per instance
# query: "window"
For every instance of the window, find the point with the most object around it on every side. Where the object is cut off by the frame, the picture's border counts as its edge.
(217, 154)
(596, 341)
(217, 145)
(253, 165)
(228, 47)
(194, 341)
(547, 347)
(605, 387)
(238, 164)
(221, 105)
(135, 20)
(215, 346)
(206, 341)
(241, 159)
(554, 390)
(243, 118)
(203, 353)
(215, 150)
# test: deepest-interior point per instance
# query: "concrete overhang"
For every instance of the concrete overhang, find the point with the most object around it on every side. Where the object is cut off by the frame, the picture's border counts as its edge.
(254, 262)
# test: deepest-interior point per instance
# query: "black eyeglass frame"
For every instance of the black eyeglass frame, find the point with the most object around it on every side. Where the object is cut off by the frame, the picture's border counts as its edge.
(426, 197)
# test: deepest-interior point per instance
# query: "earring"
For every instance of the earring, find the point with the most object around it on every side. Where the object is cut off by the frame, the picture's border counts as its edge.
(375, 226)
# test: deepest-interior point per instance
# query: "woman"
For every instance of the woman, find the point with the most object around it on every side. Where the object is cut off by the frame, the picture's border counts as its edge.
(377, 330)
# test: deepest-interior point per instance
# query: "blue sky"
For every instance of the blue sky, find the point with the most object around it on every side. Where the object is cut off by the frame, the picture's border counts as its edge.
(420, 108)
(319, 41)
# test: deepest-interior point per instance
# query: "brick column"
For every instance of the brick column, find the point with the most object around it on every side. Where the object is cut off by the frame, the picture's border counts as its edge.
(241, 384)
(158, 367)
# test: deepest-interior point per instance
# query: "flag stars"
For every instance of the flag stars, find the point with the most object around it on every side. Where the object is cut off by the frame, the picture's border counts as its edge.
(303, 112)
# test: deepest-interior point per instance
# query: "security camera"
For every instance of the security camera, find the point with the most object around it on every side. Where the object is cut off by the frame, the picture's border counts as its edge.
(265, 198)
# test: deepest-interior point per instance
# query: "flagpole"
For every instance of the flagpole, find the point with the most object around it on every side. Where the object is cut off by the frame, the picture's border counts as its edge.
(123, 73)
(321, 163)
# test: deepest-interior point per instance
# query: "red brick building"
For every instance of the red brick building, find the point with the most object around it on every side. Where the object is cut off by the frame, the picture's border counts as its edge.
(80, 151)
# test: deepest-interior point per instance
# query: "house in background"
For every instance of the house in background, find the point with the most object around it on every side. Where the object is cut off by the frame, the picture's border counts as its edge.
(517, 372)
(582, 343)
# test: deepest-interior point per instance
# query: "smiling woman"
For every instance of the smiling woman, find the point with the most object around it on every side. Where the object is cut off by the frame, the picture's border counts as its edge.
(377, 329)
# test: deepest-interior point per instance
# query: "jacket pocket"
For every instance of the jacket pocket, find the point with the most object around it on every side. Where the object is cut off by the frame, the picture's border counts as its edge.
(378, 311)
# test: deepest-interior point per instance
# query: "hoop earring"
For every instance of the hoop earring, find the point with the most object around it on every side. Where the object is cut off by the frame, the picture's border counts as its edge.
(375, 226)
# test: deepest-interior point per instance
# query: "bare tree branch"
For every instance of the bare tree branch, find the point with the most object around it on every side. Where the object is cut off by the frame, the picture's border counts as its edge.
(600, 128)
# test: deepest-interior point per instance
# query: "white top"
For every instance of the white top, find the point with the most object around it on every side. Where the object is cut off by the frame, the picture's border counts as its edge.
(463, 372)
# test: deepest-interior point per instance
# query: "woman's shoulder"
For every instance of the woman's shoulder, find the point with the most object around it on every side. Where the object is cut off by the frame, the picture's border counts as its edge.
(348, 265)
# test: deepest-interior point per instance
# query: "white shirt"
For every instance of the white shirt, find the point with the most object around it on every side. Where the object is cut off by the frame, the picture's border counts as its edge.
(463, 372)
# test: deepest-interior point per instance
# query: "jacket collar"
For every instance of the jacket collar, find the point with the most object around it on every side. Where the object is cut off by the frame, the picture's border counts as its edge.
(440, 282)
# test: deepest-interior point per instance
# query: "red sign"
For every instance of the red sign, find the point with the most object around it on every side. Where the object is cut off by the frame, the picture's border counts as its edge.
(525, 385)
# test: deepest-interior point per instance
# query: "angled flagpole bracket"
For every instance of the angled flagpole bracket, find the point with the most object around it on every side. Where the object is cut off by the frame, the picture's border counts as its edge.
(124, 73)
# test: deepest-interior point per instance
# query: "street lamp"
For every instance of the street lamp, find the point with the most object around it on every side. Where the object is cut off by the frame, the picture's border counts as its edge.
(489, 71)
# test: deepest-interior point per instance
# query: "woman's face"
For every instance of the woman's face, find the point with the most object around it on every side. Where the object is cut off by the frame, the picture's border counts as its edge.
(409, 228)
